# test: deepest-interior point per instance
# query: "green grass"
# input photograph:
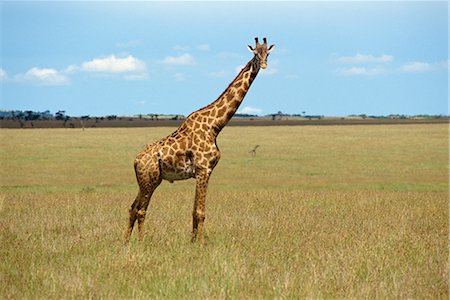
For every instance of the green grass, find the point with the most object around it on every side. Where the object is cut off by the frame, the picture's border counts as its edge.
(320, 212)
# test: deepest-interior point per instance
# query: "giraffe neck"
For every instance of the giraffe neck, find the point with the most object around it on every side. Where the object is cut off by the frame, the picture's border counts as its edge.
(218, 113)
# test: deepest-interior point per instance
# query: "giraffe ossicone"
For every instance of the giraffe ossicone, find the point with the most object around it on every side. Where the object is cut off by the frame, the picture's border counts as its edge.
(191, 151)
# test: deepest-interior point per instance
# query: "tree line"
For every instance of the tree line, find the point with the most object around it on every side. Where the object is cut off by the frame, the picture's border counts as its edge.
(61, 115)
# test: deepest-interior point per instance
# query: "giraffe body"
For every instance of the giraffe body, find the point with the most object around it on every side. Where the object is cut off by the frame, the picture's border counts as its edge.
(191, 151)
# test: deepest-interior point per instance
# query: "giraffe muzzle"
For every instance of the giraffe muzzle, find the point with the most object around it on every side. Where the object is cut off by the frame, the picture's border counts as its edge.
(263, 66)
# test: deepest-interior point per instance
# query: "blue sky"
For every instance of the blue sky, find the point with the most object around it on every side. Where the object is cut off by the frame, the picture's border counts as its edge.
(126, 58)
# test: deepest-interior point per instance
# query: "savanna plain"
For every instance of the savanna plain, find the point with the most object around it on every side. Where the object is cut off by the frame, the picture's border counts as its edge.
(319, 212)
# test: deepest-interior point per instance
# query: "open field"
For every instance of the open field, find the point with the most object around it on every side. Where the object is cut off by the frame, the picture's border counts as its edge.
(321, 211)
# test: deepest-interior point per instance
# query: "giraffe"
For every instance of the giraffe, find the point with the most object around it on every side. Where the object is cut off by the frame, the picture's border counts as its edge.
(191, 151)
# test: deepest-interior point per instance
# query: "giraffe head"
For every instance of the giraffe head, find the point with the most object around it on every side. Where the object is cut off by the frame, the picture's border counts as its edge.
(261, 52)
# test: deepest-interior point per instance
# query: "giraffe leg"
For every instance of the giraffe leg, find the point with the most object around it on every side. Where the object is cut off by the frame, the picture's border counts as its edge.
(143, 205)
(198, 214)
(148, 176)
(133, 217)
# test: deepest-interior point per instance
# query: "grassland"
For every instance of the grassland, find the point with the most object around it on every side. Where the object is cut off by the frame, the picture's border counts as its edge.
(336, 211)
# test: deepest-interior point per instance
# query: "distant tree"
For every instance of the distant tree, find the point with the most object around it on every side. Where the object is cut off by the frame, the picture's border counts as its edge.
(60, 115)
(310, 117)
(245, 115)
(30, 115)
(46, 115)
(18, 115)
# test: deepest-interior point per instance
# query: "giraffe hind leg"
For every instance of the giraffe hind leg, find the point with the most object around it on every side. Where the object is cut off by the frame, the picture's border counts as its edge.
(143, 205)
(133, 217)
(138, 211)
(148, 176)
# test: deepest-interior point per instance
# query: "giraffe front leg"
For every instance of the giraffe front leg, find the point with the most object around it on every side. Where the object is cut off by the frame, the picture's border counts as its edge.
(198, 214)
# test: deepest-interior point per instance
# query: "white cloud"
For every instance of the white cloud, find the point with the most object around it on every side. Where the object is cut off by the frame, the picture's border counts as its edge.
(423, 67)
(364, 59)
(129, 67)
(71, 69)
(203, 47)
(43, 76)
(181, 48)
(184, 59)
(113, 64)
(2, 74)
(361, 71)
(180, 76)
(250, 110)
(417, 67)
(137, 76)
(380, 69)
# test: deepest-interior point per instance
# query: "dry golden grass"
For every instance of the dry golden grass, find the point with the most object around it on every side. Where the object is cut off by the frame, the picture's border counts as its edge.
(357, 211)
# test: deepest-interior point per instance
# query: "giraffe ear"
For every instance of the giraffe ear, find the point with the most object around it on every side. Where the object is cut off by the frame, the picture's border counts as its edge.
(270, 48)
(250, 48)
